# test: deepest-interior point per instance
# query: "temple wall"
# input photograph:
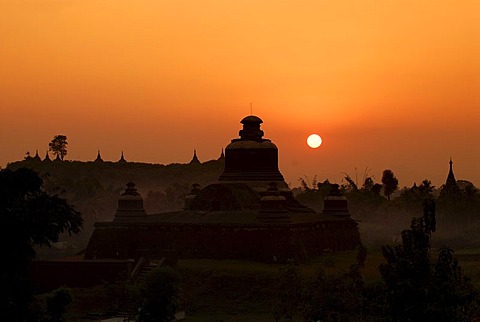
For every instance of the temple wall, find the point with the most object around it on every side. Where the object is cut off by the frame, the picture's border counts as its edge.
(223, 241)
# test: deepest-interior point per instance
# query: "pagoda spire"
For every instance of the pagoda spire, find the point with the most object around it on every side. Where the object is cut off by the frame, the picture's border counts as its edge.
(99, 157)
(450, 188)
(222, 155)
(195, 158)
(451, 177)
(47, 157)
(122, 159)
(36, 157)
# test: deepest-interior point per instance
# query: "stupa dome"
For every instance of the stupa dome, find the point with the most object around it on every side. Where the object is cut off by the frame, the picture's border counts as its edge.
(336, 203)
(130, 203)
(251, 119)
(251, 157)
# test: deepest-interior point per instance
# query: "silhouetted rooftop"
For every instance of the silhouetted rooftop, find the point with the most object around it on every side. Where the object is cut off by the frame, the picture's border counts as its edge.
(251, 119)
(220, 217)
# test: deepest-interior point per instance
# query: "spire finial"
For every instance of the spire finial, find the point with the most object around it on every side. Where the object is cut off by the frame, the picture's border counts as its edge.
(47, 157)
(195, 158)
(36, 157)
(99, 157)
(451, 177)
(122, 159)
(222, 155)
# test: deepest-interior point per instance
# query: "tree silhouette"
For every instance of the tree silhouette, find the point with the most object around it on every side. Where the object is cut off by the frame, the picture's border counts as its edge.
(58, 146)
(419, 288)
(160, 296)
(429, 216)
(57, 303)
(390, 183)
(426, 189)
(334, 297)
(352, 185)
(288, 293)
(29, 217)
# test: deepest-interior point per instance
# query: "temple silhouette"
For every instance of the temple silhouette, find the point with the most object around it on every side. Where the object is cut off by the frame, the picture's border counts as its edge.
(450, 188)
(249, 213)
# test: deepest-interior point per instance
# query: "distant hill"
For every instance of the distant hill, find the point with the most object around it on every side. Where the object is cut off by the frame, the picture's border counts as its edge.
(94, 187)
(147, 176)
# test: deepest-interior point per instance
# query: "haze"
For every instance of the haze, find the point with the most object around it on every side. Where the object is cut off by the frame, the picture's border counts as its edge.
(387, 84)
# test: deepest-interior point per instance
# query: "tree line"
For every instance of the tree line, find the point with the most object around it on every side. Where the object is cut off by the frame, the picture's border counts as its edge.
(383, 208)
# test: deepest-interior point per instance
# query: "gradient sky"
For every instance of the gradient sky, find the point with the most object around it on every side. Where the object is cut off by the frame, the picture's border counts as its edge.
(388, 84)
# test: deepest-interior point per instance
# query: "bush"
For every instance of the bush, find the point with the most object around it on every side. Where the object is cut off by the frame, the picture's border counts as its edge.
(57, 303)
(160, 295)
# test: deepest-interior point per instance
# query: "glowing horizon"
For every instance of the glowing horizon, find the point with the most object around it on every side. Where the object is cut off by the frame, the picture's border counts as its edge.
(387, 84)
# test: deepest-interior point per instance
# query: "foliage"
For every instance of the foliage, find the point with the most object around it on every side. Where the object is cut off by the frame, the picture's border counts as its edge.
(57, 303)
(58, 146)
(351, 186)
(407, 273)
(429, 216)
(412, 199)
(307, 185)
(171, 198)
(459, 208)
(415, 287)
(370, 188)
(30, 216)
(390, 183)
(453, 294)
(289, 288)
(313, 192)
(160, 295)
(420, 289)
(335, 297)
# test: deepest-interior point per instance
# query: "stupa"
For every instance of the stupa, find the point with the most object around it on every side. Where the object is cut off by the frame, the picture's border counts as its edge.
(249, 213)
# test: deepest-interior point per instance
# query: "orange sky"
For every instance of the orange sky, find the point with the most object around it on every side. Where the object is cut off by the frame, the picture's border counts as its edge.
(387, 83)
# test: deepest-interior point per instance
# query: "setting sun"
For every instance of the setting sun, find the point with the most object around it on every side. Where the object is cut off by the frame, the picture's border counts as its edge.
(314, 141)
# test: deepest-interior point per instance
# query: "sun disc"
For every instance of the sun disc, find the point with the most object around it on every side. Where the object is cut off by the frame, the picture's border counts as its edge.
(314, 141)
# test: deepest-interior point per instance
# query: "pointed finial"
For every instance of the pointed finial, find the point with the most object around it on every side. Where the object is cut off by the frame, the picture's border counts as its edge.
(47, 157)
(195, 158)
(36, 157)
(222, 155)
(122, 159)
(99, 157)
